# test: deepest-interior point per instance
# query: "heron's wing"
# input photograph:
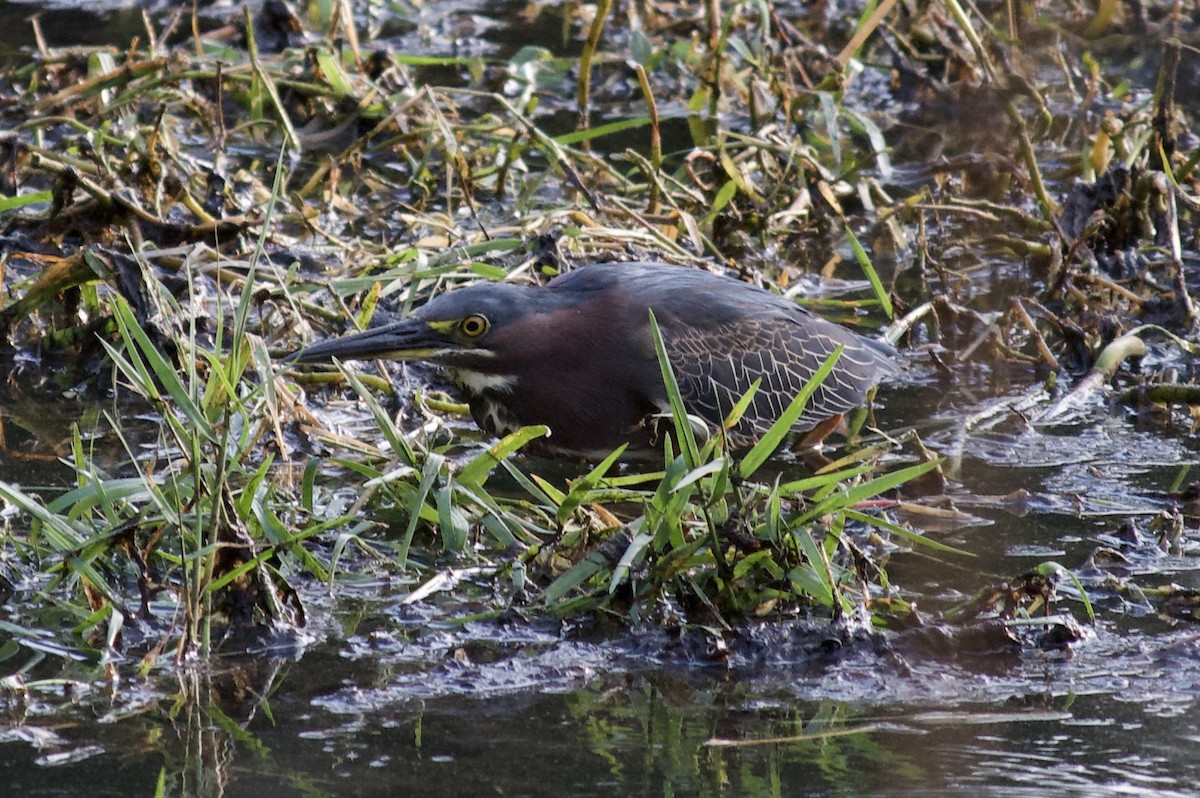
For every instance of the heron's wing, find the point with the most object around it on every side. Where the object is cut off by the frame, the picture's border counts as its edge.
(716, 366)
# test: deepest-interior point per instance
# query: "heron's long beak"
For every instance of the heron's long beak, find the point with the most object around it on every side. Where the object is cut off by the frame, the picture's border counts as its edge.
(411, 339)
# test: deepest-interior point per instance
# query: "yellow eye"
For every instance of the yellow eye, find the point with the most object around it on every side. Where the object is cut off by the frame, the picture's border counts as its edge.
(474, 325)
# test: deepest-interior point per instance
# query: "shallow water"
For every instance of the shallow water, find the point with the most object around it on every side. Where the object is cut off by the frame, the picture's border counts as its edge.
(387, 704)
(380, 697)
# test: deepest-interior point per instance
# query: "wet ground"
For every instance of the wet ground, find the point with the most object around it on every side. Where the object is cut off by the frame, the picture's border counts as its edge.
(382, 696)
(385, 703)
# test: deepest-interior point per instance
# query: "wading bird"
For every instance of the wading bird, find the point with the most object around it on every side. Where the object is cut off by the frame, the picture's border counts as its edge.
(578, 355)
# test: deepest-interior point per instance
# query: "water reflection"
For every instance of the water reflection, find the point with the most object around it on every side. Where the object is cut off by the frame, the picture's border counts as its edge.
(638, 734)
(394, 704)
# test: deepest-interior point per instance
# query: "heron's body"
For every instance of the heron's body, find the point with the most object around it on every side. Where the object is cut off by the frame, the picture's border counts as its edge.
(577, 355)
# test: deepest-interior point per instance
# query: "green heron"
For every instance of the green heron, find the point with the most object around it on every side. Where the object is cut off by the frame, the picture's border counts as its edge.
(577, 354)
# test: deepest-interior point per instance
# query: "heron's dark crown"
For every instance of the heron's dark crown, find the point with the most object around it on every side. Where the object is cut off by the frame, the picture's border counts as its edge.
(500, 303)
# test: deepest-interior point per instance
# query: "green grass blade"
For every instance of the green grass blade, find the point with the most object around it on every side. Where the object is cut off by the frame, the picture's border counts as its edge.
(580, 488)
(391, 432)
(839, 501)
(133, 334)
(476, 472)
(633, 551)
(769, 442)
(429, 475)
(864, 261)
(574, 576)
(679, 414)
(907, 534)
(21, 200)
(619, 126)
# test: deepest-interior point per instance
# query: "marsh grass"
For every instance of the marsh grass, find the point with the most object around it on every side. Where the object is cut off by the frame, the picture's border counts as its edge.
(211, 203)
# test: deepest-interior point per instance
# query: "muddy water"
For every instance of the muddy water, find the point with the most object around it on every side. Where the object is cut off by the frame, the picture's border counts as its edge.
(389, 703)
(384, 698)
